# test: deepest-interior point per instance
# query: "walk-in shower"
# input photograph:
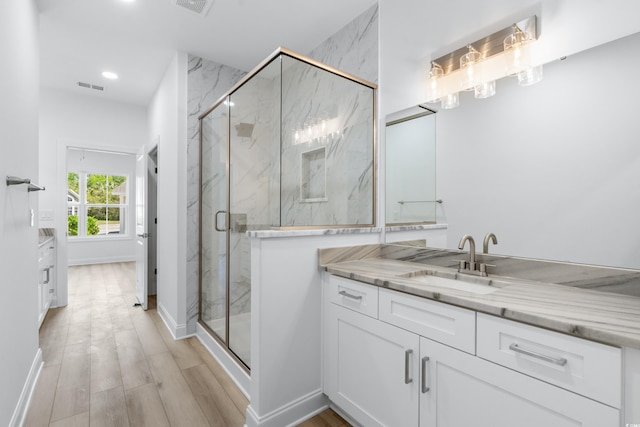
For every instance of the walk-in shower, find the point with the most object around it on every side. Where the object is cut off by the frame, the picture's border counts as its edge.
(289, 147)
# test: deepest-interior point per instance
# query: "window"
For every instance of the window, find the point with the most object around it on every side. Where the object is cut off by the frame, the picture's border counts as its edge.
(97, 204)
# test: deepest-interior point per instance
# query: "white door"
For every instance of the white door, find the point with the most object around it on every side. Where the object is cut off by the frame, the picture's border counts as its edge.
(142, 228)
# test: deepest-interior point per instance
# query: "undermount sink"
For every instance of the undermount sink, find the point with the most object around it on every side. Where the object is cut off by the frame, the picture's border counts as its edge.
(476, 285)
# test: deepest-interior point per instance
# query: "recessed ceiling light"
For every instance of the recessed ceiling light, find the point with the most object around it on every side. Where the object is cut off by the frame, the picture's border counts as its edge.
(109, 75)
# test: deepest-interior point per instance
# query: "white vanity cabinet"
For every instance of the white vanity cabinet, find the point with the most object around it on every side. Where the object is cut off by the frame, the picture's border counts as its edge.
(414, 363)
(371, 369)
(464, 390)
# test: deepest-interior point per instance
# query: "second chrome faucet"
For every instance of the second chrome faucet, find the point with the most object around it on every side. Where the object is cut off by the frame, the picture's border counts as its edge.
(471, 266)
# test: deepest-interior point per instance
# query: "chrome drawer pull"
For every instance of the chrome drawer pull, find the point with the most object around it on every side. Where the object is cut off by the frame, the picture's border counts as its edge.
(425, 369)
(561, 361)
(348, 295)
(407, 371)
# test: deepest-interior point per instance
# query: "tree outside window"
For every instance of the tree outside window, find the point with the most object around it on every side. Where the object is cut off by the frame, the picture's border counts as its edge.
(97, 204)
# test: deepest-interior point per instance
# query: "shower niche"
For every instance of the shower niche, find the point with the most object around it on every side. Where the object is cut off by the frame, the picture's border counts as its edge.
(291, 146)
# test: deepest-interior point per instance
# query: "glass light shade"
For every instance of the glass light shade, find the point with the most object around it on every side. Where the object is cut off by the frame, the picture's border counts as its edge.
(486, 89)
(468, 63)
(450, 101)
(435, 88)
(530, 76)
(517, 52)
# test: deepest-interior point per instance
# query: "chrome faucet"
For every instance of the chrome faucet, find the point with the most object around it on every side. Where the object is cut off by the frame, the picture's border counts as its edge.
(485, 244)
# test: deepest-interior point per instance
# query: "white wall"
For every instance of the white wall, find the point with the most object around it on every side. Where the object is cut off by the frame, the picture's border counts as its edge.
(75, 119)
(20, 358)
(167, 117)
(558, 181)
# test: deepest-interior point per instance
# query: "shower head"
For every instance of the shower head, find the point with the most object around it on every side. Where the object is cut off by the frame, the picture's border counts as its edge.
(244, 129)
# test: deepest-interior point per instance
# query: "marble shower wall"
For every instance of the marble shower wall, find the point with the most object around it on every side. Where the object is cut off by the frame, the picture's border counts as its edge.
(207, 81)
(354, 48)
(327, 148)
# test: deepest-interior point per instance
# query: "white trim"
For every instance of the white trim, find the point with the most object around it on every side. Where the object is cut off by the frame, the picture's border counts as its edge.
(291, 414)
(101, 260)
(230, 366)
(177, 331)
(20, 413)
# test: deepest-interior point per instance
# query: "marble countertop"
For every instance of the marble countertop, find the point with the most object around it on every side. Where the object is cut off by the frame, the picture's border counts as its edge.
(582, 311)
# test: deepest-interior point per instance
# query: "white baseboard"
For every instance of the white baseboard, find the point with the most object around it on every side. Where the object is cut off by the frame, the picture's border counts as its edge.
(101, 260)
(291, 414)
(231, 367)
(178, 332)
(20, 413)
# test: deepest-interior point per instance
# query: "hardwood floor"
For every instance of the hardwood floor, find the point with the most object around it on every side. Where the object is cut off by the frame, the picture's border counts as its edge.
(108, 363)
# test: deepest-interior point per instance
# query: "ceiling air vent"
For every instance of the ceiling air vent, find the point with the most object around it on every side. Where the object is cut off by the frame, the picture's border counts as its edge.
(201, 7)
(90, 86)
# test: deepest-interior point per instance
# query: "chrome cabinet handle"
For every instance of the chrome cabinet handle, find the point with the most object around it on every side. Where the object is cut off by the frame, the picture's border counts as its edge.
(216, 221)
(47, 270)
(348, 295)
(560, 361)
(425, 371)
(407, 371)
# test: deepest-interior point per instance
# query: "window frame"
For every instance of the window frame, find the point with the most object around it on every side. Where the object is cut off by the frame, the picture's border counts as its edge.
(82, 208)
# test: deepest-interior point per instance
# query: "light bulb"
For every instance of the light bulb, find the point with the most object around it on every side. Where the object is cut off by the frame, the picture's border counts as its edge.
(450, 101)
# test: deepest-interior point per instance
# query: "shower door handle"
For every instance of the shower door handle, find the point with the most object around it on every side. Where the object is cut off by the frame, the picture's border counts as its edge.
(215, 225)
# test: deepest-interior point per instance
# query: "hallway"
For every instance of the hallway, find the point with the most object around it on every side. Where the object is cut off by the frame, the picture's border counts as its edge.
(108, 363)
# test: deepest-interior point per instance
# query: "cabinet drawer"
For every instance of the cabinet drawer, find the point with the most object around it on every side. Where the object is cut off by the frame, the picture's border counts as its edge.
(584, 367)
(450, 325)
(357, 296)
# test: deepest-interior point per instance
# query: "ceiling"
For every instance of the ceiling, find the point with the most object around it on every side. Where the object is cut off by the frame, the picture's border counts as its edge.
(81, 38)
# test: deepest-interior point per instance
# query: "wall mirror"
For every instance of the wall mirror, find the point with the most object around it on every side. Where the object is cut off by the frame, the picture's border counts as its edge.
(410, 137)
(552, 169)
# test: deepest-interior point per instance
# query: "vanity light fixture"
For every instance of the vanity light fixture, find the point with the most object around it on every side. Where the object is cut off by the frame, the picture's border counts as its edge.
(478, 65)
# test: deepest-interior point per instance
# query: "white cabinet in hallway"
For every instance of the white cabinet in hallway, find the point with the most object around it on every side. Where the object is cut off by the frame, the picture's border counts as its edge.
(46, 276)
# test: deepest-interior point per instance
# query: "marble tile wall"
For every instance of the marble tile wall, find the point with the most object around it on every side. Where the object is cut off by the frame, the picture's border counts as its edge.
(321, 110)
(207, 81)
(354, 48)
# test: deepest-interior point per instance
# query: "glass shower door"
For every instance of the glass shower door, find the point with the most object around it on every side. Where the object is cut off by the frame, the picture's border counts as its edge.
(213, 253)
(254, 194)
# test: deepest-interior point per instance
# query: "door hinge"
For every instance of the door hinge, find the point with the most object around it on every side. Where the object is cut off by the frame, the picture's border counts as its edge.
(156, 169)
(155, 271)
(155, 220)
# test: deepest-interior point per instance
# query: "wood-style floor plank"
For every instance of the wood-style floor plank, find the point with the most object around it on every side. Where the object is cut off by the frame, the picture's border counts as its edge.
(145, 407)
(108, 409)
(214, 401)
(108, 363)
(237, 397)
(42, 400)
(80, 420)
(177, 398)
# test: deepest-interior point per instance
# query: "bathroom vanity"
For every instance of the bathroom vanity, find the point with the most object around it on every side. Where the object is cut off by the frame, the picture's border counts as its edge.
(407, 343)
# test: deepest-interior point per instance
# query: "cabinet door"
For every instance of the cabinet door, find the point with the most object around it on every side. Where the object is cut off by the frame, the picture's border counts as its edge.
(467, 391)
(373, 369)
